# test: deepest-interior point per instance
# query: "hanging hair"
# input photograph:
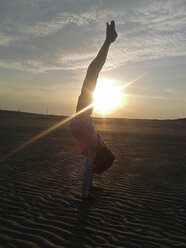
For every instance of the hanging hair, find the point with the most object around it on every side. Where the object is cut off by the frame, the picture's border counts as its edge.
(104, 159)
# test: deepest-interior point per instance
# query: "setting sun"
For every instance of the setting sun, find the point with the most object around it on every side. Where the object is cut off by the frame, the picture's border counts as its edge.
(107, 96)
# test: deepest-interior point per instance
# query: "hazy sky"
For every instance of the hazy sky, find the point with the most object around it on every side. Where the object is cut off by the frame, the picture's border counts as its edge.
(46, 46)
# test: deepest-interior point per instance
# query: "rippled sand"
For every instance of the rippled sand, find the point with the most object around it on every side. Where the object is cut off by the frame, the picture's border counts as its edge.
(143, 203)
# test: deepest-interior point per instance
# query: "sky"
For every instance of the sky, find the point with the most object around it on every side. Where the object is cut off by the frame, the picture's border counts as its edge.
(47, 45)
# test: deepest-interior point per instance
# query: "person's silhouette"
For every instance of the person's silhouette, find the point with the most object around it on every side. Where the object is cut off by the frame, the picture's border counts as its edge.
(91, 144)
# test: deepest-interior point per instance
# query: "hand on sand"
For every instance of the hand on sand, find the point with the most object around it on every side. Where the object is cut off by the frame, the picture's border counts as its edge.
(111, 34)
(89, 197)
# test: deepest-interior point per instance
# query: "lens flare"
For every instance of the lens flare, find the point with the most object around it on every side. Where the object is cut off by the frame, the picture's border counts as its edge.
(107, 96)
(113, 100)
(42, 134)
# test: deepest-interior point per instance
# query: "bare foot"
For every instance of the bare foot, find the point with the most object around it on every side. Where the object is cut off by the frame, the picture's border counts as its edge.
(111, 34)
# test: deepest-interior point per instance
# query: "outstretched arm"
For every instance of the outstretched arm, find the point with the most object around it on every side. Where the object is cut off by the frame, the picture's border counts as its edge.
(96, 65)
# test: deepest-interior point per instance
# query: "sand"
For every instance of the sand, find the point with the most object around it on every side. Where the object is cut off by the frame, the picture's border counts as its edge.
(143, 203)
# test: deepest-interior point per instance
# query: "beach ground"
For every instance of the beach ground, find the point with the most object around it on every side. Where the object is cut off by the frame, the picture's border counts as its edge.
(143, 203)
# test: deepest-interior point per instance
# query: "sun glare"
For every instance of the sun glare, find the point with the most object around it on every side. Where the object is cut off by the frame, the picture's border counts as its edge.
(107, 96)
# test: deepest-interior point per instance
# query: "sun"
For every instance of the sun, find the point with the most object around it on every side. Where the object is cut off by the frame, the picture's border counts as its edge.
(107, 96)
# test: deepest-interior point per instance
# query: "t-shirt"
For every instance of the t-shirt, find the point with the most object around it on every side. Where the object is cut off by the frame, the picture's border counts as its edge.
(83, 131)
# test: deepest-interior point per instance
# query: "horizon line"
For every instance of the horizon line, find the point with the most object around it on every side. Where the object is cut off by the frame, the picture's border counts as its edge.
(98, 117)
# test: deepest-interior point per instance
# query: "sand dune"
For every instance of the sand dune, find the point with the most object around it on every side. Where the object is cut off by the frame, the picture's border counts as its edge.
(143, 203)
